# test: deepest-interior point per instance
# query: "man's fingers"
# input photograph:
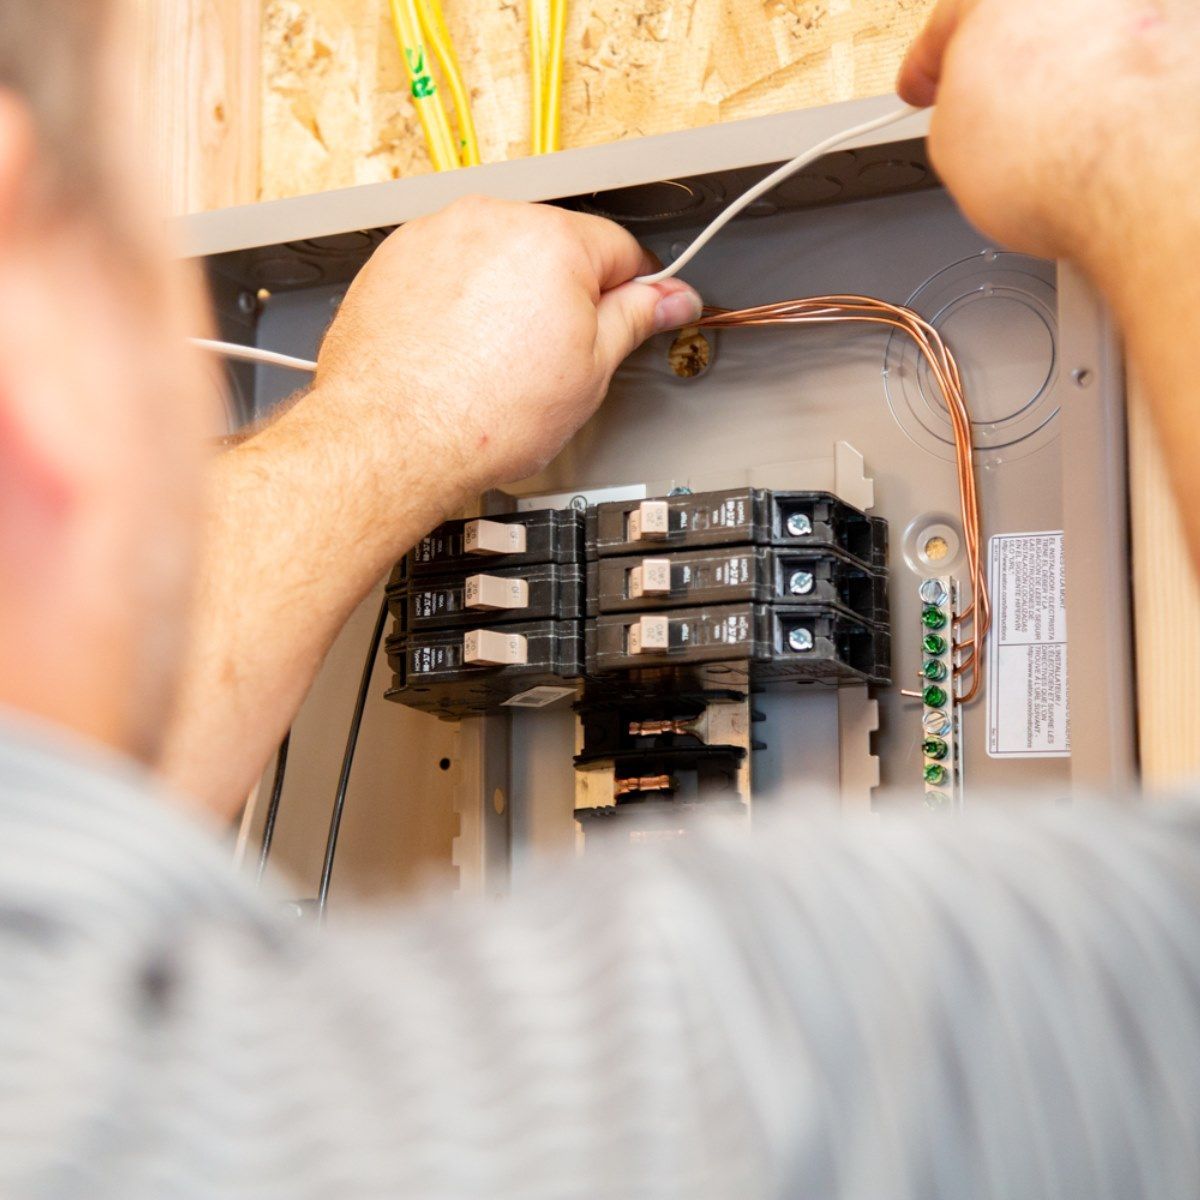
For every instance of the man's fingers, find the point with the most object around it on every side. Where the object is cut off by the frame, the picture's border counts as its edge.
(616, 256)
(922, 69)
(630, 313)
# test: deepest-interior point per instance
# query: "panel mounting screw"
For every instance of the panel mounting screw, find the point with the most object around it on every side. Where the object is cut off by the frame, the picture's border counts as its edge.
(799, 525)
(690, 353)
(801, 640)
(801, 583)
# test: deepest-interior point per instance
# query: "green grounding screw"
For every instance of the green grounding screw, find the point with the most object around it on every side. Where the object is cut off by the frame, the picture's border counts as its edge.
(934, 669)
(935, 748)
(935, 774)
(933, 617)
(934, 643)
(934, 696)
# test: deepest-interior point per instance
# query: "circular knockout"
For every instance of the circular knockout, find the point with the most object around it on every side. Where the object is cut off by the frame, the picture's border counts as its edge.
(998, 314)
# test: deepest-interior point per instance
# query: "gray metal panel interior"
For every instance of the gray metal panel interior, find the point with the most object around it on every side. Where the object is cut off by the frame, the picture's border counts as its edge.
(1045, 383)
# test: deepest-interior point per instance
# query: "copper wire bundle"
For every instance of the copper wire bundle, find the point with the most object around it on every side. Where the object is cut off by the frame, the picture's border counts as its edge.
(829, 310)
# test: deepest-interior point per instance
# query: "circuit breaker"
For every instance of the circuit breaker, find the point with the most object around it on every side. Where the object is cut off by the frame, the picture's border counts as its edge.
(488, 613)
(659, 618)
(767, 586)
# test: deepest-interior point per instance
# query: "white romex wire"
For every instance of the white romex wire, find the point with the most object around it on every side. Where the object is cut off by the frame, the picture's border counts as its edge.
(775, 178)
(253, 354)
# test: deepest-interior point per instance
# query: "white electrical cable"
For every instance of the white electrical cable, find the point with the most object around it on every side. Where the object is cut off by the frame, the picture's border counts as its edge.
(252, 354)
(775, 178)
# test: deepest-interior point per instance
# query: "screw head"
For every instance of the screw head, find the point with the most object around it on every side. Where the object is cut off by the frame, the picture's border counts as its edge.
(801, 639)
(935, 748)
(247, 303)
(936, 723)
(799, 525)
(800, 583)
(579, 503)
(933, 617)
(933, 591)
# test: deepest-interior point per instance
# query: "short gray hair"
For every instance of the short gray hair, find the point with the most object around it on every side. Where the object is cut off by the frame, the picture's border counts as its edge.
(50, 57)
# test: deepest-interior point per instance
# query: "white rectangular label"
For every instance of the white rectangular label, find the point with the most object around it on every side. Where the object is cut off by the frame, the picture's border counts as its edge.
(1027, 656)
(633, 491)
(538, 697)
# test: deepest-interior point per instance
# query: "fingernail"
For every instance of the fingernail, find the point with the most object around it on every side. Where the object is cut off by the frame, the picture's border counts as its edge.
(681, 307)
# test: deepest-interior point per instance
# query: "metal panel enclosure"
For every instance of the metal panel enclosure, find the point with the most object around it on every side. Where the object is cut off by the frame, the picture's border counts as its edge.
(775, 408)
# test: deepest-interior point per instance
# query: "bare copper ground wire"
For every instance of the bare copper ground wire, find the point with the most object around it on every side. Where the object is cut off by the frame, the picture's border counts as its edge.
(850, 309)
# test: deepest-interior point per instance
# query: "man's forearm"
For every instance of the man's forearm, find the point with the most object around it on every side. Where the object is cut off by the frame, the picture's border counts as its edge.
(466, 352)
(304, 519)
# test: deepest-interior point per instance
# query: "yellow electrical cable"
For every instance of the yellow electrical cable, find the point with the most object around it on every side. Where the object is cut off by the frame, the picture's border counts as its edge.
(433, 25)
(424, 91)
(552, 111)
(539, 35)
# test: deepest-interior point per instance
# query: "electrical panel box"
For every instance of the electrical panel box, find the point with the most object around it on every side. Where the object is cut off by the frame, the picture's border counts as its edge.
(743, 583)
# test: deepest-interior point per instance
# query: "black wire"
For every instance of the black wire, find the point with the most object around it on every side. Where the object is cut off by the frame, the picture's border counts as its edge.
(339, 800)
(273, 807)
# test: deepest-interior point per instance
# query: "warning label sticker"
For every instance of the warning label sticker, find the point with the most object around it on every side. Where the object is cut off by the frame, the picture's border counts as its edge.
(1027, 656)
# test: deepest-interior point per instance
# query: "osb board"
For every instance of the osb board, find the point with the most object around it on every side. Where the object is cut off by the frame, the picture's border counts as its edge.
(336, 110)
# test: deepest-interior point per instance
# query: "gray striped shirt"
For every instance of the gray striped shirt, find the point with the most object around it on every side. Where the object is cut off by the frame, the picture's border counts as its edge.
(1004, 1007)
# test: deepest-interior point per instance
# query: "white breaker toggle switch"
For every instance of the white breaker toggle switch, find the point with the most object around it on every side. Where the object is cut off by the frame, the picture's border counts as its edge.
(651, 577)
(493, 537)
(495, 592)
(490, 648)
(649, 634)
(649, 521)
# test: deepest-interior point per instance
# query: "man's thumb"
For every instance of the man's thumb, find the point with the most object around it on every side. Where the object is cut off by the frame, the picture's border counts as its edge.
(629, 314)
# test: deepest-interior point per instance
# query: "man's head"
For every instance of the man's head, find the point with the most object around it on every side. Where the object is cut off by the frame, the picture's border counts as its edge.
(102, 407)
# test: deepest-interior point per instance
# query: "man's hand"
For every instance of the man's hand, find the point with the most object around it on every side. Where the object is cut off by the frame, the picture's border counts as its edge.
(492, 330)
(1064, 128)
(1072, 129)
(467, 351)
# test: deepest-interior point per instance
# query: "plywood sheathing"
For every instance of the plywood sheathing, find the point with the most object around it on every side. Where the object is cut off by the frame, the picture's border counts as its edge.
(336, 110)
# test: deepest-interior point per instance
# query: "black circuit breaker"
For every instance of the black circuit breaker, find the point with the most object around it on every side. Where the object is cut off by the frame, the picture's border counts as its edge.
(746, 643)
(488, 614)
(738, 517)
(746, 585)
(743, 588)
